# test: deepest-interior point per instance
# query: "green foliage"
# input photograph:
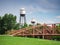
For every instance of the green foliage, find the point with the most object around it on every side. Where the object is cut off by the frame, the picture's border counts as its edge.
(58, 27)
(25, 25)
(16, 26)
(0, 23)
(30, 25)
(41, 27)
(8, 22)
(38, 24)
(56, 37)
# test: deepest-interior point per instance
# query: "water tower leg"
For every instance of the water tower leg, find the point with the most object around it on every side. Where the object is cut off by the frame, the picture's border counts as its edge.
(43, 36)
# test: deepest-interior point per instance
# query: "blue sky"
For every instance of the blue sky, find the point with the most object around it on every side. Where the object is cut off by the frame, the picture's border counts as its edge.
(43, 11)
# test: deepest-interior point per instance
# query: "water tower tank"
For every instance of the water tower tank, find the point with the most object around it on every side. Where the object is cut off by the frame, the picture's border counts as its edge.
(22, 11)
(33, 21)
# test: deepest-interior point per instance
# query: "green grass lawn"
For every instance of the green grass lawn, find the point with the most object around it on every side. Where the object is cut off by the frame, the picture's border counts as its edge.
(9, 40)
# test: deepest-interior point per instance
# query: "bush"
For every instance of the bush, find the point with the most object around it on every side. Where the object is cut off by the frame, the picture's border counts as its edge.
(56, 38)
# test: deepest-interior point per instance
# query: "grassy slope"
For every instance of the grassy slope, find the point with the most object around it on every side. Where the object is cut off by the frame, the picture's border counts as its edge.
(7, 40)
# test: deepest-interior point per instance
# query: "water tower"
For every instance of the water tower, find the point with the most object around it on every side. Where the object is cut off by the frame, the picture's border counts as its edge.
(33, 21)
(22, 16)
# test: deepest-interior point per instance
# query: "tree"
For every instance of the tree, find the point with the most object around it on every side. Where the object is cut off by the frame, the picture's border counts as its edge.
(16, 26)
(38, 24)
(0, 24)
(30, 25)
(8, 22)
(58, 28)
(25, 25)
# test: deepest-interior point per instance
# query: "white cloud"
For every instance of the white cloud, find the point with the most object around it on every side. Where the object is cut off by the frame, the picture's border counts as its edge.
(57, 16)
(50, 21)
(43, 6)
